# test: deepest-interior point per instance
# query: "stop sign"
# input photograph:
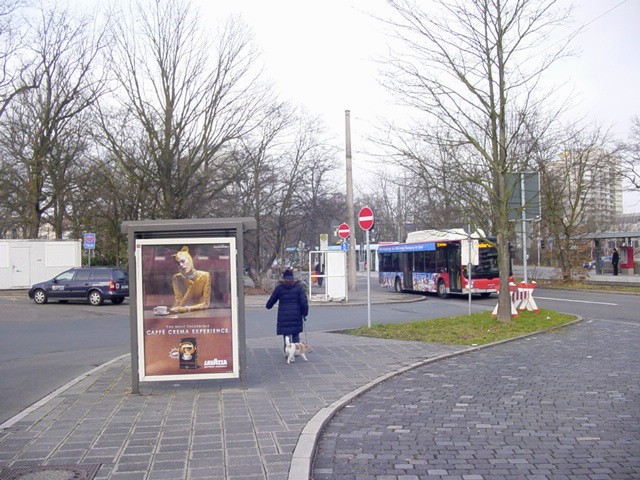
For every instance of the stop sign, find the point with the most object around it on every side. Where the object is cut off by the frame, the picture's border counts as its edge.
(343, 230)
(365, 218)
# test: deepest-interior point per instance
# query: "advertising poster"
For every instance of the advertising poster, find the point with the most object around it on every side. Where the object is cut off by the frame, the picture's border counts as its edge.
(187, 309)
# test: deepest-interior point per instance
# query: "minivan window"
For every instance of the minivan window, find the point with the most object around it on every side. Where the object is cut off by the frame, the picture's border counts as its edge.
(65, 276)
(83, 274)
(120, 275)
(102, 275)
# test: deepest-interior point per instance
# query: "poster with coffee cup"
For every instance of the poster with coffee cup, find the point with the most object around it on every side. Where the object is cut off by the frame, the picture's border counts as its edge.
(187, 297)
(161, 310)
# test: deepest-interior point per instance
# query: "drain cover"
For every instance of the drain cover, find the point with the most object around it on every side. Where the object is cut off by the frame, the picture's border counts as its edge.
(51, 472)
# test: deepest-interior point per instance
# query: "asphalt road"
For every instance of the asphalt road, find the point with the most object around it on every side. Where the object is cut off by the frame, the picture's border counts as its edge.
(42, 347)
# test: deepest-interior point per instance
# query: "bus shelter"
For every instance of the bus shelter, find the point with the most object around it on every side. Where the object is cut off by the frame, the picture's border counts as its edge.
(625, 242)
(187, 299)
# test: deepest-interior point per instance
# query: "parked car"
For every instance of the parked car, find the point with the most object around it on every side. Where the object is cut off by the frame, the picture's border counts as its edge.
(93, 284)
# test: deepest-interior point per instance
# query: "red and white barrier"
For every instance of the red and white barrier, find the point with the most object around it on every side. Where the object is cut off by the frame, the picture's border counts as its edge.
(525, 297)
(514, 313)
(521, 298)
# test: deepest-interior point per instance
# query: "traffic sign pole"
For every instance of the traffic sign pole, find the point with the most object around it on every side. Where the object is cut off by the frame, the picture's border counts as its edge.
(368, 281)
(365, 220)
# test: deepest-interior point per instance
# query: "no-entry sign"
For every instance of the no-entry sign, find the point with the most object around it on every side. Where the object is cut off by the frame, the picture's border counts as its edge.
(344, 230)
(365, 218)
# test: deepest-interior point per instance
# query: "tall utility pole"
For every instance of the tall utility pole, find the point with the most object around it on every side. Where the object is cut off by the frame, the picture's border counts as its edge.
(400, 209)
(351, 253)
(523, 200)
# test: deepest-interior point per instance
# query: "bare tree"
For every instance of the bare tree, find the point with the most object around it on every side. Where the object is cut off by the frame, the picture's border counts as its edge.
(285, 162)
(440, 196)
(386, 200)
(16, 76)
(41, 130)
(469, 70)
(190, 96)
(116, 184)
(254, 192)
(122, 156)
(317, 196)
(631, 165)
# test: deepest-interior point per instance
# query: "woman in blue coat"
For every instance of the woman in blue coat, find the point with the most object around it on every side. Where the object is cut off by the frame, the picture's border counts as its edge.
(292, 307)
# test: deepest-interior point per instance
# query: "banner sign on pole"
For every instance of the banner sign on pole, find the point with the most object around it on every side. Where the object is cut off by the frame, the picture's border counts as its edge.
(530, 201)
(89, 241)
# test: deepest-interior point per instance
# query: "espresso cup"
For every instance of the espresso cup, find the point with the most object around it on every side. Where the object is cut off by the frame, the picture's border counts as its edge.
(161, 310)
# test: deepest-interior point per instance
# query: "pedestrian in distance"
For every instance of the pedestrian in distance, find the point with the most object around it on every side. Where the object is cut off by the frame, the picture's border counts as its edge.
(293, 307)
(319, 271)
(615, 258)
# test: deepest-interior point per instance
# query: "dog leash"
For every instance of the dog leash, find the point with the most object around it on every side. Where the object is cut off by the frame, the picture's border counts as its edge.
(304, 322)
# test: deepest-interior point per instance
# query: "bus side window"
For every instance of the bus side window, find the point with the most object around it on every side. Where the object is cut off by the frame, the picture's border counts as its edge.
(430, 261)
(441, 261)
(420, 265)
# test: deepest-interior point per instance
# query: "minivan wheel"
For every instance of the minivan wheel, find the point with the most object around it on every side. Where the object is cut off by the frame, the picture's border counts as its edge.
(40, 297)
(95, 298)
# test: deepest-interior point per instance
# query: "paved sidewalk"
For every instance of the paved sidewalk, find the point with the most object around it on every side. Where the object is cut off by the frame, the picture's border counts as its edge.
(205, 429)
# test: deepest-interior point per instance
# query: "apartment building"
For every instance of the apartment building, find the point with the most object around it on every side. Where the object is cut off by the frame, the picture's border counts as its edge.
(594, 176)
(604, 195)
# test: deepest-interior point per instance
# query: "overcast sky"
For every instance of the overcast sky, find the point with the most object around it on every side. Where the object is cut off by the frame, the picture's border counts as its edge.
(320, 56)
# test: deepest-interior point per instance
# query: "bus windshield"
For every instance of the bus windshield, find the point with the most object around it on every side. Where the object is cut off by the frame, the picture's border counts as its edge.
(488, 265)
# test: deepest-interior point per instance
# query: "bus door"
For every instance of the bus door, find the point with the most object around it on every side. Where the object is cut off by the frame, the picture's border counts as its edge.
(453, 266)
(407, 270)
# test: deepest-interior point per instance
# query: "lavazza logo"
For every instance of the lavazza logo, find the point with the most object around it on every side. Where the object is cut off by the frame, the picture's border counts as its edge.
(215, 363)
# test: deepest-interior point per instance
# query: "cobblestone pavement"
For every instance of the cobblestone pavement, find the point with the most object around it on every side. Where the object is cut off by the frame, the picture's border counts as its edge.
(562, 405)
(200, 430)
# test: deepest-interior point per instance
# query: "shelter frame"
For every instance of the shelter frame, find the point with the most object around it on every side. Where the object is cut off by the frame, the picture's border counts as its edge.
(195, 231)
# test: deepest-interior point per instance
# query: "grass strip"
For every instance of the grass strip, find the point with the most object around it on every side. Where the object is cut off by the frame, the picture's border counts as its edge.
(470, 330)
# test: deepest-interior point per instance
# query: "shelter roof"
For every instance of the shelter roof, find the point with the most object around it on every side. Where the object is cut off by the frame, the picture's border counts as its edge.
(608, 235)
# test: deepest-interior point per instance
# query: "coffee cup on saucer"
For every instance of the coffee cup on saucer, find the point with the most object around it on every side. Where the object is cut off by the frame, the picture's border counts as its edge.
(161, 310)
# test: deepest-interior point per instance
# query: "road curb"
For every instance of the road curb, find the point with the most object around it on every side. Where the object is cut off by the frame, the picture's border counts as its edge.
(43, 401)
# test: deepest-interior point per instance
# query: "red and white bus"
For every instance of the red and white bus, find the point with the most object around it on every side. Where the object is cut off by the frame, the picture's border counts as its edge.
(432, 261)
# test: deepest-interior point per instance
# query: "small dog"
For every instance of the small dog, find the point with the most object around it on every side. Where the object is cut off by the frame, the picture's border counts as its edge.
(294, 349)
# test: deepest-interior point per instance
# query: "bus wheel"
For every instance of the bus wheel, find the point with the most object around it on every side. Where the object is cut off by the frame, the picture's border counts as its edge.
(442, 290)
(398, 285)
